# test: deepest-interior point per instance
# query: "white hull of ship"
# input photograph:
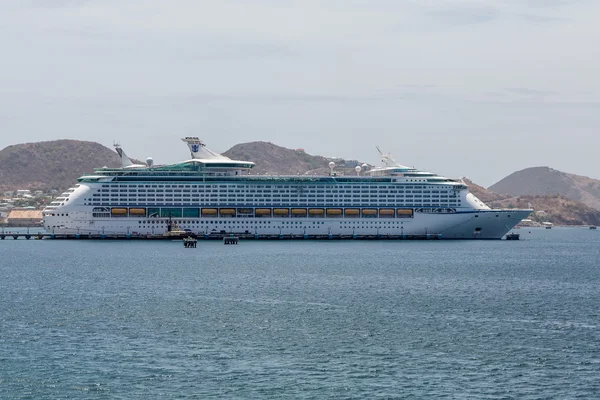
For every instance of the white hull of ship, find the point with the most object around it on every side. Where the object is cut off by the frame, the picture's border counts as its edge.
(480, 224)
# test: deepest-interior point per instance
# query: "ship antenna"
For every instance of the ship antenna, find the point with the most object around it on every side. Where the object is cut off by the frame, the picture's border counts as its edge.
(387, 159)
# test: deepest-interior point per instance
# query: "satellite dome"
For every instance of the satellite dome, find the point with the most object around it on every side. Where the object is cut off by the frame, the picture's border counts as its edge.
(149, 161)
(331, 164)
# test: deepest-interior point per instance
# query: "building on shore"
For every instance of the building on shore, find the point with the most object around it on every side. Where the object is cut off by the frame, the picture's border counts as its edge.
(23, 192)
(24, 218)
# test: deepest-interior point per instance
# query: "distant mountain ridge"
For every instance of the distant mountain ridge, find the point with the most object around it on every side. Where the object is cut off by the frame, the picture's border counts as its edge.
(271, 159)
(556, 209)
(548, 208)
(545, 181)
(482, 193)
(57, 165)
(53, 164)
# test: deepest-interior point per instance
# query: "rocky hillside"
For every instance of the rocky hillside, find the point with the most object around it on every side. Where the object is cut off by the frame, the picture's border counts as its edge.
(272, 159)
(483, 194)
(51, 165)
(556, 209)
(541, 181)
(57, 165)
(549, 208)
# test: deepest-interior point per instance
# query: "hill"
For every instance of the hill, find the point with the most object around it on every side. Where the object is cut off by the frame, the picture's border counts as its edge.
(51, 165)
(272, 159)
(541, 181)
(548, 208)
(482, 193)
(57, 164)
(556, 209)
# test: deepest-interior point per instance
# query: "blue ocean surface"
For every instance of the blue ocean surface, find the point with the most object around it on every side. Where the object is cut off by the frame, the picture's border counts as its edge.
(302, 319)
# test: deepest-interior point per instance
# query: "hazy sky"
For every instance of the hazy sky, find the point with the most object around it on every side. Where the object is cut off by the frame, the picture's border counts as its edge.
(475, 88)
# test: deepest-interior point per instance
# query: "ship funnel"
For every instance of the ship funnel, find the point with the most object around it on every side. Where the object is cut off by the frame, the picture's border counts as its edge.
(198, 150)
(125, 161)
(387, 159)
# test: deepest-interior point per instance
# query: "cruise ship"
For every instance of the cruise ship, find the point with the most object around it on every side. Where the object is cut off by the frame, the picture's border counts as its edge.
(213, 194)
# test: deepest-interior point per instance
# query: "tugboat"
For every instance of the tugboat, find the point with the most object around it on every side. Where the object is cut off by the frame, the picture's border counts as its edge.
(513, 236)
(173, 231)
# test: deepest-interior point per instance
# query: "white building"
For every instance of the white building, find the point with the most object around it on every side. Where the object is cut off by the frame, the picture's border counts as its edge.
(23, 192)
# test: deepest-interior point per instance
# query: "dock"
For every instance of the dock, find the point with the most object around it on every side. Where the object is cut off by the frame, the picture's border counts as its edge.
(212, 236)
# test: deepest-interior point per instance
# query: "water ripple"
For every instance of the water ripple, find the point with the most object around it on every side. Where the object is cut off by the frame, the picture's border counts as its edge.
(495, 320)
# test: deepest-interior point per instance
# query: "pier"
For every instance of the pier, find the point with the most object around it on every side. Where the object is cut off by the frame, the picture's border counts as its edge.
(212, 236)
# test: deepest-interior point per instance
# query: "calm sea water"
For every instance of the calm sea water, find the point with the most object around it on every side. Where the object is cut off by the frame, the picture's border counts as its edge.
(472, 319)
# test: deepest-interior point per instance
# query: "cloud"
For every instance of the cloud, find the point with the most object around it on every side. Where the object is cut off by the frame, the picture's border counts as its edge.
(531, 92)
(398, 71)
(542, 19)
(463, 15)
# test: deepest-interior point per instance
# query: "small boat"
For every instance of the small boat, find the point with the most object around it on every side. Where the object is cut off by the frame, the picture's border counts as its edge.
(513, 236)
(593, 227)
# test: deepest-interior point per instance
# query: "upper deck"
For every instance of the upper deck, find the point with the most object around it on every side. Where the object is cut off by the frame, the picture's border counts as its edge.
(209, 166)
